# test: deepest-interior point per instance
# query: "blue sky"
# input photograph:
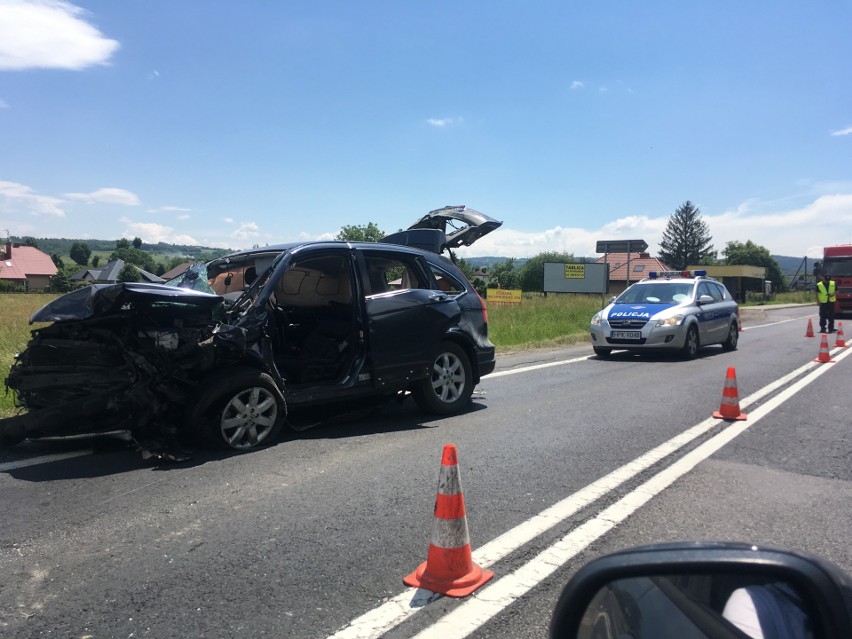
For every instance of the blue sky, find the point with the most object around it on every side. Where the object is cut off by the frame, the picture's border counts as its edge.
(238, 123)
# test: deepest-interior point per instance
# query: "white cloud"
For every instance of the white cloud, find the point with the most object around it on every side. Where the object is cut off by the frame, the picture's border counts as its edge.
(576, 84)
(50, 34)
(795, 232)
(246, 231)
(20, 199)
(4, 104)
(169, 209)
(228, 220)
(846, 131)
(183, 217)
(444, 122)
(106, 196)
(153, 233)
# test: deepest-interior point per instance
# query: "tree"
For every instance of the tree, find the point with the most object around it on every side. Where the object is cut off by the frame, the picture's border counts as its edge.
(80, 253)
(135, 256)
(686, 239)
(57, 261)
(95, 261)
(137, 242)
(505, 275)
(30, 241)
(756, 255)
(60, 283)
(129, 273)
(531, 275)
(121, 243)
(354, 233)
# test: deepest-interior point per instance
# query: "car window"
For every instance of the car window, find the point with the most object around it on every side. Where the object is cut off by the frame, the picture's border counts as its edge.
(446, 282)
(708, 288)
(725, 295)
(315, 282)
(393, 272)
(661, 293)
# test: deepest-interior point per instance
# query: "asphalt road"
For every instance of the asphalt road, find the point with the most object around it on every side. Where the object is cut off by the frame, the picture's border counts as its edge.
(312, 537)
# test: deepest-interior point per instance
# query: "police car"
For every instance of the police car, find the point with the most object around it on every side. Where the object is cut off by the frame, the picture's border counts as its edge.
(671, 310)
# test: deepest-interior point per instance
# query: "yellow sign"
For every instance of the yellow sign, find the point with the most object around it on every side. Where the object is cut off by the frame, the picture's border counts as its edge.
(503, 296)
(575, 271)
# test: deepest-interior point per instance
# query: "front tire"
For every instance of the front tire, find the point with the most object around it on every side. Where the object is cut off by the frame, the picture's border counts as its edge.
(600, 351)
(447, 389)
(691, 344)
(730, 344)
(242, 411)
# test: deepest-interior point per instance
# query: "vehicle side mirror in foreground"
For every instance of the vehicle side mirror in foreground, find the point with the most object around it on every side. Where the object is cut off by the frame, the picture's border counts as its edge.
(716, 589)
(705, 299)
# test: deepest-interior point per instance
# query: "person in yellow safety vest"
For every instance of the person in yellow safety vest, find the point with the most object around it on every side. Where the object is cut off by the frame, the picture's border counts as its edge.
(825, 296)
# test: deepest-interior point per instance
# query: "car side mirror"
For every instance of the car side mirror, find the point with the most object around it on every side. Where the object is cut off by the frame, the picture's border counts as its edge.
(705, 299)
(611, 300)
(715, 589)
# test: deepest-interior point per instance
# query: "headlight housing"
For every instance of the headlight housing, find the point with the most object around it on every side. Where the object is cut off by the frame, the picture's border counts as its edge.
(674, 320)
(596, 320)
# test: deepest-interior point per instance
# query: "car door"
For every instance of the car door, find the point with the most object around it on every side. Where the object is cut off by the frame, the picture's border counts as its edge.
(713, 317)
(406, 319)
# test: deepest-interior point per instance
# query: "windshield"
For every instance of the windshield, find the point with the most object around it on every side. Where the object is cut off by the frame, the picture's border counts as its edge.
(838, 268)
(663, 293)
(195, 278)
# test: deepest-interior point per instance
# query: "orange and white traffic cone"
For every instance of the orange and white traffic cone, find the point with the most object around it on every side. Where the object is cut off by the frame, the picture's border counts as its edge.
(810, 331)
(824, 355)
(839, 340)
(449, 568)
(730, 406)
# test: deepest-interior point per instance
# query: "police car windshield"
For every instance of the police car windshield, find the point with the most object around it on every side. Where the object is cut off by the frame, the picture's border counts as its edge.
(658, 293)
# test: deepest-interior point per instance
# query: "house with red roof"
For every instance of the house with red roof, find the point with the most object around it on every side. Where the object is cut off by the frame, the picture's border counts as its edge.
(26, 267)
(626, 269)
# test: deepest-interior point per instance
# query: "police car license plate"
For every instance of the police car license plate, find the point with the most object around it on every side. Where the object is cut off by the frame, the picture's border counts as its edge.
(626, 335)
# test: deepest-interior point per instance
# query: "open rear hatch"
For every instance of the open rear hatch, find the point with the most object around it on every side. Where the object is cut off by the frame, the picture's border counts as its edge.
(445, 228)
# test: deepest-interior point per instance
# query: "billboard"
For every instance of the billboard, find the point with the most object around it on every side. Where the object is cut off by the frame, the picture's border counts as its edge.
(576, 278)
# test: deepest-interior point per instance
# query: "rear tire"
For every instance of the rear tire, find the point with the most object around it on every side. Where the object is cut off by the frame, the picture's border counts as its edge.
(448, 387)
(730, 344)
(242, 411)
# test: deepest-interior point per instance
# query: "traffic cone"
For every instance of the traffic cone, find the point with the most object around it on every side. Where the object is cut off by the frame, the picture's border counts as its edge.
(824, 355)
(839, 341)
(730, 406)
(810, 331)
(449, 568)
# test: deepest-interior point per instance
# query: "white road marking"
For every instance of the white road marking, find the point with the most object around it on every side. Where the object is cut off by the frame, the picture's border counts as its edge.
(378, 621)
(44, 459)
(493, 598)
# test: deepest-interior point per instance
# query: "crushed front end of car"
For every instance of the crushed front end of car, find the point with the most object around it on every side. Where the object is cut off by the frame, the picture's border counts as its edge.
(127, 356)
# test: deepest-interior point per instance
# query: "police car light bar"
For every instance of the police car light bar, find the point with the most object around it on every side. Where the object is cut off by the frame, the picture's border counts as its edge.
(654, 275)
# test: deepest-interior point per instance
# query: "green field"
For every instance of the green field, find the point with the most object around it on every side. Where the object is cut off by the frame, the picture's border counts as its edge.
(538, 322)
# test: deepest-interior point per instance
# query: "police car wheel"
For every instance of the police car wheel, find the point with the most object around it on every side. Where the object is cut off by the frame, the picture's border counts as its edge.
(730, 344)
(602, 352)
(690, 344)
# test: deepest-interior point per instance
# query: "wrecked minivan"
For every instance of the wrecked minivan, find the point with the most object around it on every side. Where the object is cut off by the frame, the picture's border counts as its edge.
(221, 353)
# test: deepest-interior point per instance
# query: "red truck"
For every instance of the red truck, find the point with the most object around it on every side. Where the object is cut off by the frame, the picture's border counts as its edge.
(837, 262)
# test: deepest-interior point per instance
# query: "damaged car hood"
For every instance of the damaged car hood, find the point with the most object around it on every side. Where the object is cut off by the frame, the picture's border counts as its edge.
(106, 299)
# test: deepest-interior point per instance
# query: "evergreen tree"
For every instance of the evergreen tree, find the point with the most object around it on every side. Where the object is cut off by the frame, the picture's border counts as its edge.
(686, 239)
